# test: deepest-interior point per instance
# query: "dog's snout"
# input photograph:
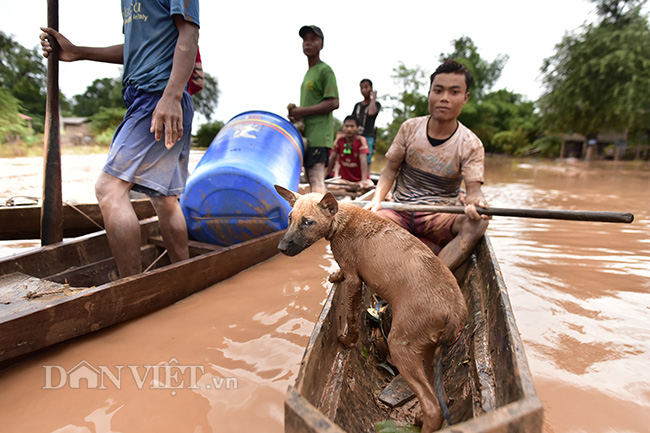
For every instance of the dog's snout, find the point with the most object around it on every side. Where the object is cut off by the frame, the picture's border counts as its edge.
(288, 247)
(284, 246)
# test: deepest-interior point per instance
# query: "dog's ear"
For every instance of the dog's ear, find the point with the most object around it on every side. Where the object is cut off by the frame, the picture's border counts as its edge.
(329, 203)
(288, 195)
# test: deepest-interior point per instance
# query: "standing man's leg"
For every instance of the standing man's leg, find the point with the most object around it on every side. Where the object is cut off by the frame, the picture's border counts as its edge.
(371, 148)
(121, 223)
(316, 176)
(172, 226)
(316, 160)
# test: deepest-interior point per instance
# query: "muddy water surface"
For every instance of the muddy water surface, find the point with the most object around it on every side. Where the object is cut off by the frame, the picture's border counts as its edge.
(580, 290)
(221, 359)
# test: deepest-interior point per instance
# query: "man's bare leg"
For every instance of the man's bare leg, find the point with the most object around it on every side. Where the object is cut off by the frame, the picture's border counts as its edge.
(172, 226)
(120, 222)
(467, 234)
(316, 176)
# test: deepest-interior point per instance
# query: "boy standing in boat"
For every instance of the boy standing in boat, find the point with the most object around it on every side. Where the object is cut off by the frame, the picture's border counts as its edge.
(366, 114)
(150, 149)
(428, 159)
(319, 97)
(352, 151)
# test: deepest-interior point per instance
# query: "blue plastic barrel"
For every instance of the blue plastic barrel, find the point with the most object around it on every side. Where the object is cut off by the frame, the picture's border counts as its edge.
(230, 197)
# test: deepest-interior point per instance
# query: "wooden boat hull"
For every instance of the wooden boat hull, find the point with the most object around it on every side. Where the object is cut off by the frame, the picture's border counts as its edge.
(486, 376)
(40, 304)
(24, 222)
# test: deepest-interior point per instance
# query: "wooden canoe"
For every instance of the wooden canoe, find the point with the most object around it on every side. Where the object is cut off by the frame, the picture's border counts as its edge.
(61, 291)
(24, 221)
(486, 377)
(343, 189)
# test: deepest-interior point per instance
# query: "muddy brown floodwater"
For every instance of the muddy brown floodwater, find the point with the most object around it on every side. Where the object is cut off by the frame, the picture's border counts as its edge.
(220, 360)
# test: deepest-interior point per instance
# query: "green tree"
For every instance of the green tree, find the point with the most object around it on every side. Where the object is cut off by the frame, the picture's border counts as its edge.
(104, 123)
(412, 101)
(597, 81)
(11, 125)
(479, 114)
(487, 113)
(102, 93)
(503, 120)
(484, 73)
(207, 132)
(23, 74)
(505, 114)
(106, 119)
(206, 101)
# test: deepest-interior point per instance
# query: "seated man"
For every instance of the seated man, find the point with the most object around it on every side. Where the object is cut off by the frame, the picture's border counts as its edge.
(429, 158)
(352, 152)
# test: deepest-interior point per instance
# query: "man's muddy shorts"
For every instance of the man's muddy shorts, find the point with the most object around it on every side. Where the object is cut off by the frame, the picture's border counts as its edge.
(135, 155)
(434, 229)
(314, 155)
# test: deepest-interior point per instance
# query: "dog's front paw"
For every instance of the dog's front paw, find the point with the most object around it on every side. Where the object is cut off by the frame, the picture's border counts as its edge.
(337, 277)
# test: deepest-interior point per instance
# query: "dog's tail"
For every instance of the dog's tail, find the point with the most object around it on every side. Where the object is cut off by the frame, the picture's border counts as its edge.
(437, 382)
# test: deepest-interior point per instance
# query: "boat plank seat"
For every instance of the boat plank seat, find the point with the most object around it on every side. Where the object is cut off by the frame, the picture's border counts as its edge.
(196, 248)
(103, 271)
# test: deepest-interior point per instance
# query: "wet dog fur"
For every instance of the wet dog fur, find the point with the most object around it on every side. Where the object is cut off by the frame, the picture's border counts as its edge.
(427, 305)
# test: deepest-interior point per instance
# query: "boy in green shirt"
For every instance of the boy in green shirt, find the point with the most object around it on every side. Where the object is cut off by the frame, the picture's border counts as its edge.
(319, 97)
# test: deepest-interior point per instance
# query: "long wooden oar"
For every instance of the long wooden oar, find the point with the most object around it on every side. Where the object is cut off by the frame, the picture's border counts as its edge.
(52, 209)
(573, 215)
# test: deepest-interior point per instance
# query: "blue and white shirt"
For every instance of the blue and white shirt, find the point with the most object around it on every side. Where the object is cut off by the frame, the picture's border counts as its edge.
(150, 37)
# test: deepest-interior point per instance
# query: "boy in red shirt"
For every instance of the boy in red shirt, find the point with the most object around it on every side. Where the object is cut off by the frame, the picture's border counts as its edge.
(350, 148)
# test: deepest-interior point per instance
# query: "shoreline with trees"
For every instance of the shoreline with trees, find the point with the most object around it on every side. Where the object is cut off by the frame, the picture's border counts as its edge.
(597, 90)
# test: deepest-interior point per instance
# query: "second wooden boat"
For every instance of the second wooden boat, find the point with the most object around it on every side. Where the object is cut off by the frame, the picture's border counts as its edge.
(61, 291)
(24, 221)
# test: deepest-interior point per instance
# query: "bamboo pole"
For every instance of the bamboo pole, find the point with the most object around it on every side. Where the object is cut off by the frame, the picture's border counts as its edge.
(572, 215)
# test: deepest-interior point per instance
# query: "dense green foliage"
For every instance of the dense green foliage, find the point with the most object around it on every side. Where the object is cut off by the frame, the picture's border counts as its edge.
(599, 78)
(104, 122)
(103, 93)
(503, 120)
(484, 73)
(206, 133)
(11, 125)
(24, 76)
(205, 101)
(411, 102)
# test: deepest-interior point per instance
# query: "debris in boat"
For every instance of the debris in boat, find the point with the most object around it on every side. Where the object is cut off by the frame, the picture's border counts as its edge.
(18, 286)
(20, 201)
(389, 368)
(380, 319)
(396, 393)
(65, 289)
(392, 426)
(373, 314)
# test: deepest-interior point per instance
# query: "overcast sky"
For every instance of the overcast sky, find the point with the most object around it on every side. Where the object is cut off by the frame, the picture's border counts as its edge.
(253, 48)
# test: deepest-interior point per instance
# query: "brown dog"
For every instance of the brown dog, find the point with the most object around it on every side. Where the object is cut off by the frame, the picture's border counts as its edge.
(427, 305)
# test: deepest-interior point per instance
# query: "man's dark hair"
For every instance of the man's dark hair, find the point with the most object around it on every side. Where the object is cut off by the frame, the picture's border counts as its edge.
(366, 80)
(453, 67)
(350, 117)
